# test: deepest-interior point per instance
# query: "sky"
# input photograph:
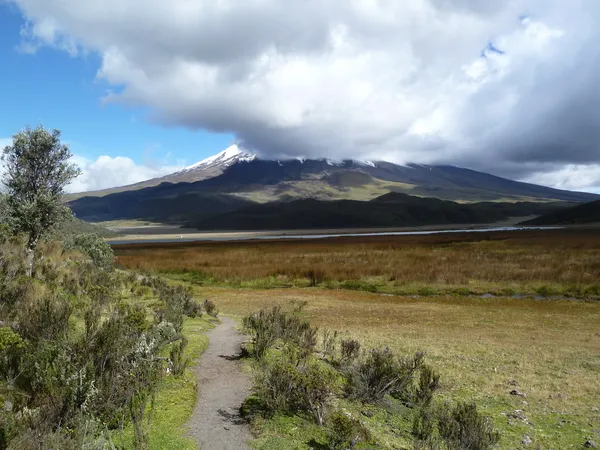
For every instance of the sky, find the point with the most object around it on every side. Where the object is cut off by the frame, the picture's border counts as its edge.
(141, 88)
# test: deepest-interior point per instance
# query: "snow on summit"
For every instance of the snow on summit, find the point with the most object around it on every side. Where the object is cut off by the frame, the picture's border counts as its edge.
(226, 158)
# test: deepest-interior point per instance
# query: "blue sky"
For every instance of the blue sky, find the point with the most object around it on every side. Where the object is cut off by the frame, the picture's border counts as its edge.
(60, 91)
(403, 81)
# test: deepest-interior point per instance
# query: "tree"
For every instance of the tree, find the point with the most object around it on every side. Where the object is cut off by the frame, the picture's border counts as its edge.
(37, 170)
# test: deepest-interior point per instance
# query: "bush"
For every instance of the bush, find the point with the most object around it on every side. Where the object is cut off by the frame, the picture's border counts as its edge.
(464, 428)
(424, 425)
(314, 277)
(264, 327)
(178, 301)
(381, 373)
(178, 362)
(350, 349)
(345, 432)
(330, 339)
(316, 384)
(274, 382)
(429, 382)
(211, 308)
(192, 308)
(267, 326)
(95, 247)
(287, 383)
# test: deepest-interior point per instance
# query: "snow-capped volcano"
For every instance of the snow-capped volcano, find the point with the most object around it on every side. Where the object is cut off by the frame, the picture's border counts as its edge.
(231, 155)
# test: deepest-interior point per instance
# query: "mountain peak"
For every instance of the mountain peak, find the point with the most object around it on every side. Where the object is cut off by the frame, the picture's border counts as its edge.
(224, 159)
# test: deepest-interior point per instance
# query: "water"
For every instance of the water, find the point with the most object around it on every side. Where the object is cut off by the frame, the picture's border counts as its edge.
(241, 237)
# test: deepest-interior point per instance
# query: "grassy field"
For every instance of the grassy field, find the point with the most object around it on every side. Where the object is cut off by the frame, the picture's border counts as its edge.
(483, 347)
(537, 263)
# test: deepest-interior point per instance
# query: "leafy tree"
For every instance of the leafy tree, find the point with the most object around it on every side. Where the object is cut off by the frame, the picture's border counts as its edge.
(37, 171)
(95, 247)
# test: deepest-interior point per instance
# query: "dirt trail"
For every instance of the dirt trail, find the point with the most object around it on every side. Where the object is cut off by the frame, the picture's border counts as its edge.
(222, 387)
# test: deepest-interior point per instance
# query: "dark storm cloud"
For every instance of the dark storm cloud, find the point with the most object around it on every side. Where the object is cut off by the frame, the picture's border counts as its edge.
(506, 87)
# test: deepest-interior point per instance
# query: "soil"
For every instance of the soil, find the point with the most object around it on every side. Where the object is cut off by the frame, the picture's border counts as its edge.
(216, 423)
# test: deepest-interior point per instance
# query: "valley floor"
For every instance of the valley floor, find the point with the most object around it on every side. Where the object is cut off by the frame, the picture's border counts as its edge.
(432, 294)
(483, 348)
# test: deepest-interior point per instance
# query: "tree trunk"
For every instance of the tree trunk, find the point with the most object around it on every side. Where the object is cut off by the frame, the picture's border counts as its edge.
(31, 247)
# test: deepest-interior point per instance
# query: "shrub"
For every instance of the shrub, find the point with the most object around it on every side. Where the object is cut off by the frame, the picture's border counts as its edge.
(429, 382)
(330, 339)
(95, 247)
(192, 308)
(298, 305)
(264, 328)
(314, 276)
(424, 424)
(381, 373)
(274, 382)
(350, 349)
(178, 301)
(267, 326)
(345, 432)
(178, 362)
(316, 384)
(211, 308)
(464, 428)
(288, 383)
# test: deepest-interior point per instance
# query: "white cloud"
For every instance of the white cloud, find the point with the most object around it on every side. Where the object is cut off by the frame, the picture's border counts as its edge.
(459, 81)
(107, 171)
(571, 177)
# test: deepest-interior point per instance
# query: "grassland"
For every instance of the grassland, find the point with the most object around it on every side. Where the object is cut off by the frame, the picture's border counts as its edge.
(535, 263)
(483, 347)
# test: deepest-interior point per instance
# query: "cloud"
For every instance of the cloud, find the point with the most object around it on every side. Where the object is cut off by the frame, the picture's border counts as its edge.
(107, 171)
(507, 87)
(571, 177)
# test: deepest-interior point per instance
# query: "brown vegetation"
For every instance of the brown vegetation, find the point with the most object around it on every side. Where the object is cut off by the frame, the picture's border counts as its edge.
(552, 262)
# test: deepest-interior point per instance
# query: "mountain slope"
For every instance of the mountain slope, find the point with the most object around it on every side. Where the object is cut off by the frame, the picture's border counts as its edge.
(234, 179)
(207, 168)
(390, 210)
(580, 214)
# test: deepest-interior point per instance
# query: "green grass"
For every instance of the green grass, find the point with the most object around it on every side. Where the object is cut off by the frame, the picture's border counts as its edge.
(478, 345)
(176, 397)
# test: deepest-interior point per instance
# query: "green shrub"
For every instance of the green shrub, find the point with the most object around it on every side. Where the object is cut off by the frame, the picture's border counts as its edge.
(275, 382)
(178, 362)
(265, 327)
(350, 349)
(95, 247)
(464, 428)
(316, 384)
(192, 308)
(381, 373)
(429, 382)
(286, 383)
(345, 432)
(330, 340)
(424, 425)
(210, 308)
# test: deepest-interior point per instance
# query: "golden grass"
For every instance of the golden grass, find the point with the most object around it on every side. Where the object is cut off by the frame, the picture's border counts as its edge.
(546, 263)
(550, 348)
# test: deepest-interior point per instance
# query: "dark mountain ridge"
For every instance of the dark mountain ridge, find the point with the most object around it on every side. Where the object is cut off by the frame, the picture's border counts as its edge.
(390, 210)
(581, 214)
(248, 180)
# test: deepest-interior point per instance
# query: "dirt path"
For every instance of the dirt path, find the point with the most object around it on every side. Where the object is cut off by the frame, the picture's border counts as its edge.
(222, 387)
